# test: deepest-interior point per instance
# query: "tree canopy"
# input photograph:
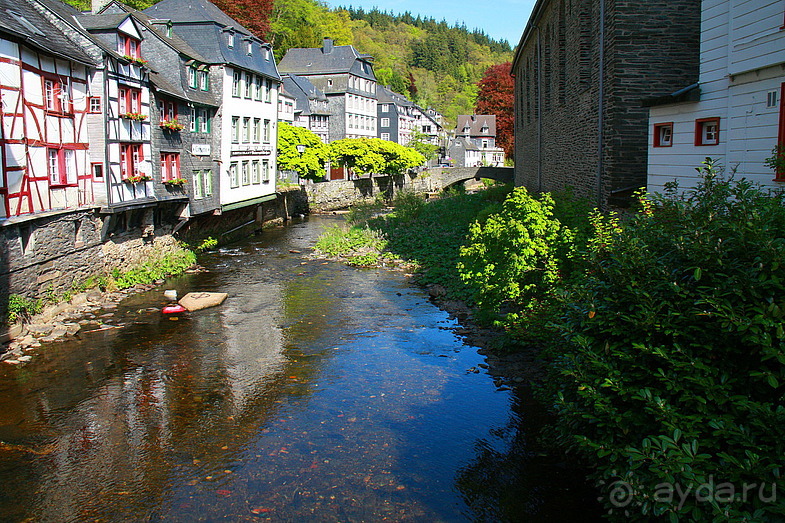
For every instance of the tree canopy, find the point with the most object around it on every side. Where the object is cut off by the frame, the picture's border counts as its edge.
(497, 96)
(375, 156)
(310, 163)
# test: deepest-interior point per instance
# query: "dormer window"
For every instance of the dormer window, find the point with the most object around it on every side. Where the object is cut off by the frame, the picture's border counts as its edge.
(466, 130)
(484, 129)
(130, 46)
(249, 48)
(204, 80)
(230, 39)
(192, 81)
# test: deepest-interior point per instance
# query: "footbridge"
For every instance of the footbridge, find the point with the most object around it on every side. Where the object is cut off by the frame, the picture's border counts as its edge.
(452, 175)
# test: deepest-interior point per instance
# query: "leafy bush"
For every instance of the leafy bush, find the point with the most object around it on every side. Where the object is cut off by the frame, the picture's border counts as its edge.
(21, 308)
(169, 264)
(512, 259)
(408, 205)
(671, 375)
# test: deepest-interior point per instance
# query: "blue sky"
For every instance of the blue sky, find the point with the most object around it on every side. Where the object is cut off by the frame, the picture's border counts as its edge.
(500, 19)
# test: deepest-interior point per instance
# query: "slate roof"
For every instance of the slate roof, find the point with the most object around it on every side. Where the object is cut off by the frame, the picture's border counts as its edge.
(303, 91)
(385, 95)
(22, 20)
(205, 28)
(328, 59)
(475, 123)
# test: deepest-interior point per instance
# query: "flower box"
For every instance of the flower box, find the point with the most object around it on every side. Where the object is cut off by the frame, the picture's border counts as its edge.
(171, 125)
(139, 117)
(175, 182)
(133, 180)
(134, 60)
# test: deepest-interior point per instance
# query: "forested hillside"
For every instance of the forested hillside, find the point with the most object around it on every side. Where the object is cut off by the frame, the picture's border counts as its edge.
(432, 62)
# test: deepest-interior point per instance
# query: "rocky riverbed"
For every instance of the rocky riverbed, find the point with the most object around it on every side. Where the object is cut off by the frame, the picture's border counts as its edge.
(86, 311)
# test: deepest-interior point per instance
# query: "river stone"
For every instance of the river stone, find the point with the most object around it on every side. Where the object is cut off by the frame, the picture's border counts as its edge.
(40, 329)
(72, 328)
(24, 358)
(194, 301)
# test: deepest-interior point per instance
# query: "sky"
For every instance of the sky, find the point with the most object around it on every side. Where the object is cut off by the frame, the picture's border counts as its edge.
(500, 19)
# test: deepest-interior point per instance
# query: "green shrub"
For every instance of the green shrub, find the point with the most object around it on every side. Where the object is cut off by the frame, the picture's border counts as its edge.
(21, 308)
(513, 258)
(167, 265)
(360, 246)
(408, 205)
(671, 373)
(361, 212)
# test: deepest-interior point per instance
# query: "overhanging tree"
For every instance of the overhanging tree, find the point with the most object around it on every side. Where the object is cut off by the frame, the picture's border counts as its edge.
(375, 156)
(310, 163)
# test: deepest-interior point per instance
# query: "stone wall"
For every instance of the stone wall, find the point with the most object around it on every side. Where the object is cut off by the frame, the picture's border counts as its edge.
(651, 49)
(341, 194)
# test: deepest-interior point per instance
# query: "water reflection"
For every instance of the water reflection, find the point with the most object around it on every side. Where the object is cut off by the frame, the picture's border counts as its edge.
(316, 392)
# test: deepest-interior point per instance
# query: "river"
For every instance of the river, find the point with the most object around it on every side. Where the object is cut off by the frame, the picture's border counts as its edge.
(316, 392)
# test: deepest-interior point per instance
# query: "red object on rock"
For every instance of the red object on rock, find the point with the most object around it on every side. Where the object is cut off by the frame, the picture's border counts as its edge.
(172, 309)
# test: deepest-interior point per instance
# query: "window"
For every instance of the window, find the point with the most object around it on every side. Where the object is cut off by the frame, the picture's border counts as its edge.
(485, 144)
(249, 48)
(230, 39)
(246, 129)
(170, 166)
(385, 107)
(385, 122)
(246, 174)
(193, 126)
(208, 182)
(94, 104)
(771, 99)
(236, 84)
(167, 110)
(484, 129)
(255, 173)
(267, 127)
(268, 87)
(131, 157)
(248, 84)
(129, 100)
(257, 88)
(62, 166)
(257, 130)
(663, 134)
(130, 46)
(98, 171)
(235, 129)
(385, 136)
(707, 131)
(197, 183)
(204, 80)
(234, 181)
(56, 97)
(329, 83)
(204, 121)
(192, 80)
(265, 171)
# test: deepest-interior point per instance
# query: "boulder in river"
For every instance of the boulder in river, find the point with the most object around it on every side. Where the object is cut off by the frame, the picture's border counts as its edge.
(194, 301)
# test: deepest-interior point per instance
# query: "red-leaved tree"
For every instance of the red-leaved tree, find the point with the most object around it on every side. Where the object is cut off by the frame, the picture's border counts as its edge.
(497, 96)
(254, 15)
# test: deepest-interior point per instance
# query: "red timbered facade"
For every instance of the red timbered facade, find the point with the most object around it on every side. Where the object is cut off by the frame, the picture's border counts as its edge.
(44, 142)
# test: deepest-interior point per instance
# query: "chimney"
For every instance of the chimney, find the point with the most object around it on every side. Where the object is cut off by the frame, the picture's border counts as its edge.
(327, 46)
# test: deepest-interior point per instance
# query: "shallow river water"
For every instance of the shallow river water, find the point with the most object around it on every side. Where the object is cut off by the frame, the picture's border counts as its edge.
(316, 392)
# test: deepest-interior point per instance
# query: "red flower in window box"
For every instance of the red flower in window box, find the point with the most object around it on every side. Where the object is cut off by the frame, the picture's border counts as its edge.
(175, 182)
(133, 180)
(137, 61)
(171, 125)
(139, 117)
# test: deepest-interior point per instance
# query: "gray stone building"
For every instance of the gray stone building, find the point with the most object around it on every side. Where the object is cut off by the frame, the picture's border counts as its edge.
(581, 69)
(396, 116)
(311, 110)
(346, 77)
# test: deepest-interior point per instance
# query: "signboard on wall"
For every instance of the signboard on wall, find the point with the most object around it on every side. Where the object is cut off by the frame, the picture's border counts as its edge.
(200, 149)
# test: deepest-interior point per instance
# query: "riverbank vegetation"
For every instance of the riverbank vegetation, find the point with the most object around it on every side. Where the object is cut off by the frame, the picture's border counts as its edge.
(660, 331)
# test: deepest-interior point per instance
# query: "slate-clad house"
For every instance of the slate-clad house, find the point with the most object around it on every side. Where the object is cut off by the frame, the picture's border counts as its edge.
(181, 117)
(581, 70)
(346, 77)
(43, 141)
(736, 112)
(475, 142)
(311, 109)
(246, 80)
(396, 116)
